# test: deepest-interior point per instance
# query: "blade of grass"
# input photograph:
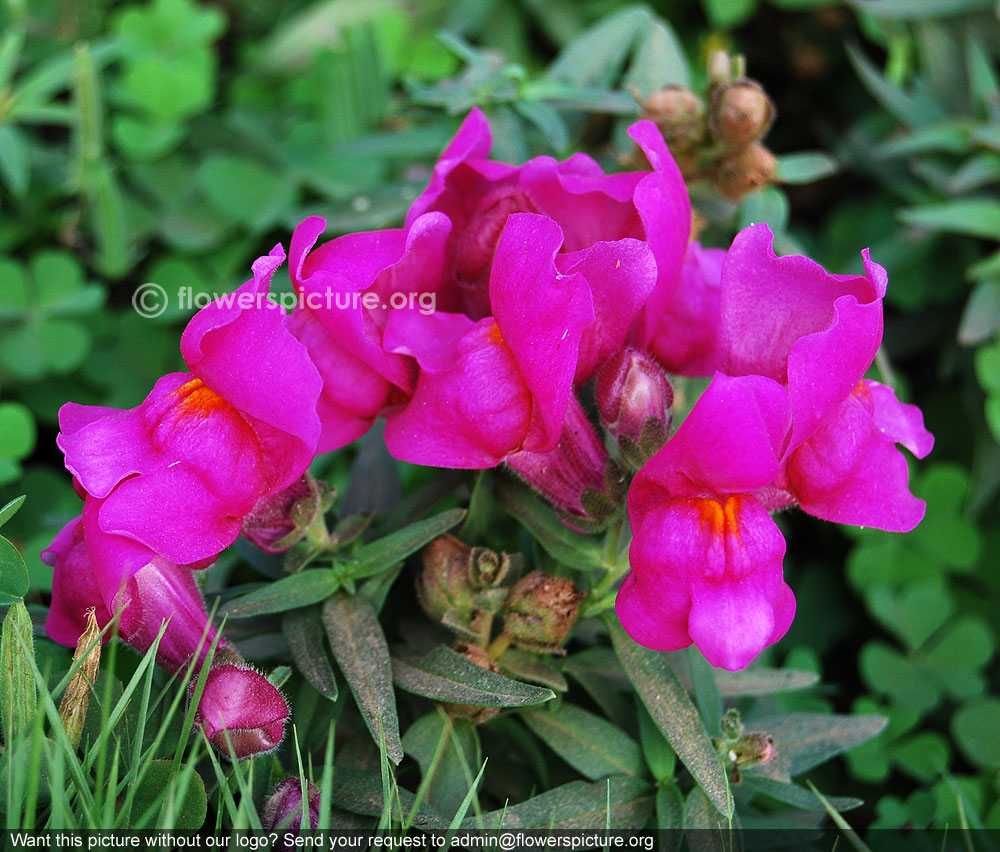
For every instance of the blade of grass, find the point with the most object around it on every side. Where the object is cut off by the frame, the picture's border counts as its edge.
(456, 821)
(839, 821)
(425, 782)
(326, 783)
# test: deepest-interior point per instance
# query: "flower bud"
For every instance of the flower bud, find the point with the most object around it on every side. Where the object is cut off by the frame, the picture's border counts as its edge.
(679, 113)
(578, 477)
(444, 587)
(741, 113)
(744, 172)
(720, 67)
(752, 749)
(541, 610)
(478, 715)
(634, 398)
(283, 808)
(240, 706)
(278, 521)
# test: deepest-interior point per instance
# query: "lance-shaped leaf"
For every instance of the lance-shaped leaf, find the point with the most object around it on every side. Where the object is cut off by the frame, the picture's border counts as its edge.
(620, 802)
(395, 547)
(588, 743)
(303, 629)
(13, 573)
(674, 713)
(563, 545)
(797, 797)
(299, 590)
(523, 665)
(445, 675)
(359, 645)
(762, 681)
(804, 740)
(361, 793)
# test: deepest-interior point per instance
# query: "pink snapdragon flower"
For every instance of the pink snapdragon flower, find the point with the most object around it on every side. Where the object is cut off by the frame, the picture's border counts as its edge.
(706, 556)
(817, 334)
(237, 702)
(179, 472)
(495, 386)
(347, 288)
(591, 208)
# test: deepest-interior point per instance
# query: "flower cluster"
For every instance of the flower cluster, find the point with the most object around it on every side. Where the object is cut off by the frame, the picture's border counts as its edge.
(553, 282)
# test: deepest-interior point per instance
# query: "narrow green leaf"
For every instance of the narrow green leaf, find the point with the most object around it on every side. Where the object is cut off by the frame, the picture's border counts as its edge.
(805, 167)
(445, 675)
(978, 217)
(804, 740)
(907, 9)
(762, 681)
(13, 572)
(580, 804)
(598, 54)
(523, 665)
(18, 700)
(395, 547)
(588, 743)
(569, 548)
(548, 122)
(444, 748)
(299, 590)
(981, 317)
(14, 160)
(706, 692)
(10, 509)
(797, 797)
(671, 708)
(659, 61)
(659, 756)
(303, 630)
(361, 793)
(706, 829)
(912, 110)
(359, 645)
(669, 811)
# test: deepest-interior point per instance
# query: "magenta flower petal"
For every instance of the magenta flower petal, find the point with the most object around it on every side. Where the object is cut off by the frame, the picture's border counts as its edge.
(74, 588)
(850, 472)
(250, 360)
(898, 421)
(707, 571)
(112, 574)
(180, 470)
(684, 339)
(730, 443)
(662, 201)
(542, 315)
(468, 415)
(242, 706)
(472, 142)
(620, 275)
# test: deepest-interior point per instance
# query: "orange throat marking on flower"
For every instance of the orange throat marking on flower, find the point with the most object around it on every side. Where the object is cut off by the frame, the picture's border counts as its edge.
(495, 335)
(720, 518)
(194, 399)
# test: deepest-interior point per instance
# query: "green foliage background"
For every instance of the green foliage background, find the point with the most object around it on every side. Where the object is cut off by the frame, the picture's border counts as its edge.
(173, 142)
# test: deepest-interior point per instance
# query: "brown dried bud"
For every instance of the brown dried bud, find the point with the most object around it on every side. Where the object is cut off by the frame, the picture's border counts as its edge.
(76, 699)
(741, 113)
(541, 612)
(478, 715)
(744, 172)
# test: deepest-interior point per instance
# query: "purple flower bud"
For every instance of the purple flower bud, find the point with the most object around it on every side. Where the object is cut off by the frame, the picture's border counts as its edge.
(242, 706)
(283, 808)
(577, 477)
(281, 520)
(634, 397)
